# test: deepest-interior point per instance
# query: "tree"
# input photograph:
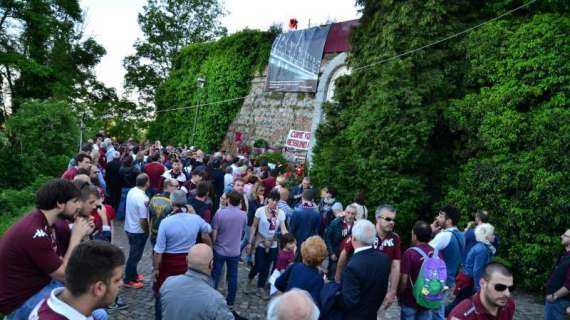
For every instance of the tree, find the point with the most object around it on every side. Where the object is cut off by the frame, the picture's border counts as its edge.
(168, 26)
(42, 137)
(43, 54)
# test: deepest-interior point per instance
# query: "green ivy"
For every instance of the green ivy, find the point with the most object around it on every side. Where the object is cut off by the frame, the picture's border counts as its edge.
(481, 121)
(228, 65)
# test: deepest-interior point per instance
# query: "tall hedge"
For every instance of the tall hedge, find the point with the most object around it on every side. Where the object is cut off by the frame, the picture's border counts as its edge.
(228, 65)
(515, 138)
(480, 121)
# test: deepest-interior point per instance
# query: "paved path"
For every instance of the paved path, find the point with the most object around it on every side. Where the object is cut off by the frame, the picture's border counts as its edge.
(141, 301)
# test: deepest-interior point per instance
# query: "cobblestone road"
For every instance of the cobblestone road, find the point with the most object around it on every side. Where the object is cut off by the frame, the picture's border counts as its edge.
(141, 301)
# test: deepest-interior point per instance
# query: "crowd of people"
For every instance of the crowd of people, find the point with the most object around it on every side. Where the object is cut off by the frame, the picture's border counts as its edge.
(209, 215)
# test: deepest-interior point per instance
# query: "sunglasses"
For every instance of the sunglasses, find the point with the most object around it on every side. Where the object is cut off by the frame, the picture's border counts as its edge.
(388, 219)
(502, 287)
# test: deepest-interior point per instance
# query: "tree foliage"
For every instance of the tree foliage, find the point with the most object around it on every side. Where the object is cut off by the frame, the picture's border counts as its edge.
(228, 65)
(477, 122)
(42, 137)
(168, 26)
(43, 53)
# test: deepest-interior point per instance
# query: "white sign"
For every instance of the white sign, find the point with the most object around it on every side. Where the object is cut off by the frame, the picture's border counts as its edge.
(298, 139)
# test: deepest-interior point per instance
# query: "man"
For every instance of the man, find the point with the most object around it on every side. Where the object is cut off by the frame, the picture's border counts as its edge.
(558, 286)
(481, 216)
(411, 264)
(228, 225)
(83, 160)
(200, 202)
(365, 280)
(297, 192)
(388, 242)
(336, 234)
(136, 227)
(155, 170)
(270, 182)
(305, 221)
(114, 180)
(176, 172)
(238, 187)
(92, 280)
(191, 296)
(30, 266)
(160, 206)
(451, 243)
(294, 304)
(329, 208)
(190, 186)
(283, 205)
(109, 149)
(493, 301)
(177, 233)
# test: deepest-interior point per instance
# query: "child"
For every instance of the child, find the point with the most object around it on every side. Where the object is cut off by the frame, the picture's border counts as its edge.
(285, 257)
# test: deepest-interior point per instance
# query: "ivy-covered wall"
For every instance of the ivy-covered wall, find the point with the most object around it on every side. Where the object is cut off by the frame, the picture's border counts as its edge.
(228, 65)
(480, 122)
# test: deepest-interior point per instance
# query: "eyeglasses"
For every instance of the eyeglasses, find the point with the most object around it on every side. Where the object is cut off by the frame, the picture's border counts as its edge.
(388, 219)
(502, 287)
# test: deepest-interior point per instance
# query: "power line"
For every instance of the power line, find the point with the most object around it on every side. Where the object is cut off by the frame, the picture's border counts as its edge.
(446, 38)
(409, 52)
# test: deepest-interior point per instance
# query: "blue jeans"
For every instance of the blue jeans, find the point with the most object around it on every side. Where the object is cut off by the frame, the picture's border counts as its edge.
(157, 308)
(23, 312)
(439, 314)
(231, 276)
(263, 261)
(137, 242)
(408, 313)
(556, 310)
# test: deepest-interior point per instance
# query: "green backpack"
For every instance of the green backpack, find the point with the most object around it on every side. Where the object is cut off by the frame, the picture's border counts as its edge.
(430, 286)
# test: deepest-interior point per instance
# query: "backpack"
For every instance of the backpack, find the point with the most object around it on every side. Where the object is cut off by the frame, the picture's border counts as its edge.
(429, 288)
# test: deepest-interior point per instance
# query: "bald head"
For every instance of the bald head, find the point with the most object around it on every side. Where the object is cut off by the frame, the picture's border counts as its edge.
(295, 304)
(200, 258)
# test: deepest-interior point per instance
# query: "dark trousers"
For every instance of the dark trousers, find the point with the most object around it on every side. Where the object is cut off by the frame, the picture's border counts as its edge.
(263, 261)
(137, 242)
(231, 274)
(465, 293)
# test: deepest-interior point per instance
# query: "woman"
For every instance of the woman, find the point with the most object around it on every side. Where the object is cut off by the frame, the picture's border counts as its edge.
(255, 201)
(477, 258)
(306, 275)
(268, 219)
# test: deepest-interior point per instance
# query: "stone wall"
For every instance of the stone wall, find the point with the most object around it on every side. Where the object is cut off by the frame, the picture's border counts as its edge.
(270, 115)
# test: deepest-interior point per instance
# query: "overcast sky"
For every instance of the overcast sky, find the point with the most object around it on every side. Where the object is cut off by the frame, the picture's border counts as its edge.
(113, 23)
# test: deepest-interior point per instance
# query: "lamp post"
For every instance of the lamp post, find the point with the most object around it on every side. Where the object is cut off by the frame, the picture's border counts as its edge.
(81, 129)
(200, 83)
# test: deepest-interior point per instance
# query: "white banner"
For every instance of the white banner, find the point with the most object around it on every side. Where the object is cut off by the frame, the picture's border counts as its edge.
(298, 139)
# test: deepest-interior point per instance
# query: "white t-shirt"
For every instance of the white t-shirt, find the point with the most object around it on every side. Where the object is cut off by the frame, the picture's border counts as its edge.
(136, 209)
(264, 225)
(442, 239)
(168, 175)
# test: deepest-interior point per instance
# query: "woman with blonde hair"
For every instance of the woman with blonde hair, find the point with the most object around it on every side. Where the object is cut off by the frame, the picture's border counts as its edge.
(306, 275)
(477, 258)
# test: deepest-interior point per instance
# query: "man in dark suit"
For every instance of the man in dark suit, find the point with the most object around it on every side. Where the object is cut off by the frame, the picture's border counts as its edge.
(365, 279)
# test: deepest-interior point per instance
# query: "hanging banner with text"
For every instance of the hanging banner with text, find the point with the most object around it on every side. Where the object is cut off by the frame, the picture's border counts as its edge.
(295, 60)
(298, 139)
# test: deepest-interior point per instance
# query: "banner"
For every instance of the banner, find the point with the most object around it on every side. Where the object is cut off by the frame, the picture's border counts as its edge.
(298, 139)
(295, 60)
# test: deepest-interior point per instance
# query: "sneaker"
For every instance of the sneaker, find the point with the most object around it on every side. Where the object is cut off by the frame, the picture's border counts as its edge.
(117, 306)
(133, 284)
(140, 277)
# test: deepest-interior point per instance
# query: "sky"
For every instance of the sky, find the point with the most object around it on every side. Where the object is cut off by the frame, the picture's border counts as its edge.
(113, 23)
